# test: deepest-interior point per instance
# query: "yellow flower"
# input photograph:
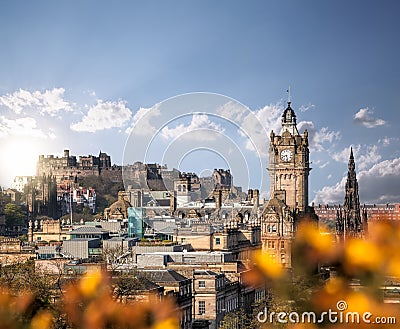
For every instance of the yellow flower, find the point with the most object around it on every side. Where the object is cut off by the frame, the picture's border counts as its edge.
(42, 320)
(394, 267)
(363, 254)
(89, 283)
(170, 323)
(309, 233)
(334, 285)
(267, 266)
(359, 302)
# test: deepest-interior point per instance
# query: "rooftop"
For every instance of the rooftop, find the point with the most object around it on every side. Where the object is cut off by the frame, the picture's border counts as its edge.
(88, 230)
(164, 276)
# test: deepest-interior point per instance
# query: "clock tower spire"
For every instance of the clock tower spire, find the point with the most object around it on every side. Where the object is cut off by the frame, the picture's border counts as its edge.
(289, 168)
(289, 163)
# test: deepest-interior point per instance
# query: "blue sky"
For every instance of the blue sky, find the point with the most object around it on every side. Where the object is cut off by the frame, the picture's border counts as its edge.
(75, 74)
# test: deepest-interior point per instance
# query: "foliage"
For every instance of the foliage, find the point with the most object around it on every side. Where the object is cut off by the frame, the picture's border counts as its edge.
(15, 215)
(127, 285)
(359, 270)
(88, 303)
(106, 190)
(237, 319)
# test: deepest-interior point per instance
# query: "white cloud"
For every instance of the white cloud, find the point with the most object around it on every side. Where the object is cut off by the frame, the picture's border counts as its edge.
(22, 127)
(331, 194)
(344, 155)
(48, 102)
(269, 118)
(256, 125)
(324, 165)
(305, 108)
(379, 184)
(370, 156)
(104, 115)
(364, 155)
(141, 121)
(365, 117)
(318, 138)
(198, 124)
(386, 141)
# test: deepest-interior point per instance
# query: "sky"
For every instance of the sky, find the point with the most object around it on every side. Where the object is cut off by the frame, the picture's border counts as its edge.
(200, 84)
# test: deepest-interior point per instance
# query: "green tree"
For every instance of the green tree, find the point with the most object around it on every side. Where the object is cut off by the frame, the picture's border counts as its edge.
(15, 215)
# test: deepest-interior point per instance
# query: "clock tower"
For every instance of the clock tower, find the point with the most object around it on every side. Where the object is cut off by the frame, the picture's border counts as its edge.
(289, 168)
(289, 163)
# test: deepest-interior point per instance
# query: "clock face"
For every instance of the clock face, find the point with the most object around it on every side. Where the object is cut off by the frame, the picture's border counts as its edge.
(286, 155)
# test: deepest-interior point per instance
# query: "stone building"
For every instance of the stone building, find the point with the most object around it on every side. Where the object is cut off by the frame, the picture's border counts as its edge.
(177, 286)
(10, 245)
(119, 209)
(69, 168)
(19, 182)
(375, 212)
(41, 197)
(222, 177)
(214, 296)
(289, 169)
(47, 230)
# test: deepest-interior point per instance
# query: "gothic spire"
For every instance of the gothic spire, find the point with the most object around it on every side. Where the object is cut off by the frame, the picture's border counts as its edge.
(351, 208)
(352, 165)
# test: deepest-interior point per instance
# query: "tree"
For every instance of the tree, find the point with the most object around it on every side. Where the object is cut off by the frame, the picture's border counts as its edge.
(235, 320)
(112, 256)
(126, 285)
(15, 215)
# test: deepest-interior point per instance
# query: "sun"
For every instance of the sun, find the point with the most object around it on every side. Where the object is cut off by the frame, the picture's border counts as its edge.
(18, 157)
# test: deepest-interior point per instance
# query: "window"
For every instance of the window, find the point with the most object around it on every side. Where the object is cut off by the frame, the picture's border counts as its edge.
(269, 228)
(217, 241)
(202, 307)
(39, 238)
(202, 284)
(271, 244)
(282, 244)
(183, 240)
(283, 258)
(274, 228)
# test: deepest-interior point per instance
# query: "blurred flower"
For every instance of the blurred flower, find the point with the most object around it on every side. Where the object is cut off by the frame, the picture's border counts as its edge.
(42, 320)
(267, 265)
(90, 282)
(362, 255)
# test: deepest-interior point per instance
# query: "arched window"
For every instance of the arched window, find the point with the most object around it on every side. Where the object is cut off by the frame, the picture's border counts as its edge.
(273, 228)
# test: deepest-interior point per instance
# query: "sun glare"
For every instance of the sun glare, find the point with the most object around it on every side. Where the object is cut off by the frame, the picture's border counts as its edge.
(18, 157)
